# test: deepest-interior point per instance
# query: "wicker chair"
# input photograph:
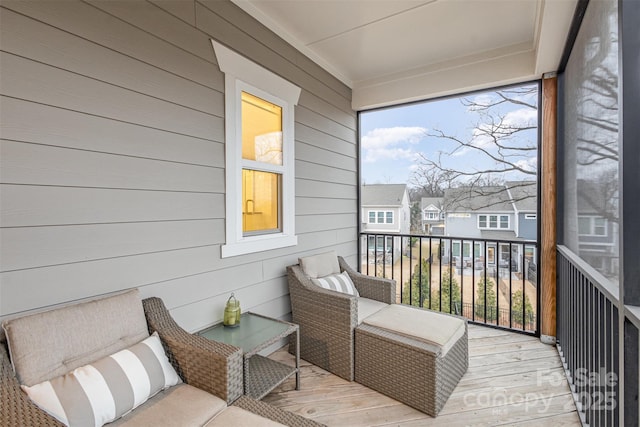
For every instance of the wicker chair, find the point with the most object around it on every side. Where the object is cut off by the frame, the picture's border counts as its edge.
(328, 319)
(208, 365)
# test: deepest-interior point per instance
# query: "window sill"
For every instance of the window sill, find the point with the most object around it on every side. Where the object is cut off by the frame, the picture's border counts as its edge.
(258, 244)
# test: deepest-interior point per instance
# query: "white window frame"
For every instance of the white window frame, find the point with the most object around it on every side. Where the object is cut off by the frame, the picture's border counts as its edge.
(498, 221)
(530, 216)
(380, 217)
(431, 215)
(592, 226)
(241, 74)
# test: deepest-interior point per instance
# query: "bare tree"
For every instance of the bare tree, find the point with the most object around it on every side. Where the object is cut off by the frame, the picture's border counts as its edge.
(501, 145)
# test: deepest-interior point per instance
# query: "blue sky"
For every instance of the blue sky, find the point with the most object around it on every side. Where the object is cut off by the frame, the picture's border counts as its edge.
(392, 139)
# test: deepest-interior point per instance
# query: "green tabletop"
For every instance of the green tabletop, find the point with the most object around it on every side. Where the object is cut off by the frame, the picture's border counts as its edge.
(254, 333)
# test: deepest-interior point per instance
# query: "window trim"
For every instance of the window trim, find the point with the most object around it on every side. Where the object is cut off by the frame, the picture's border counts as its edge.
(431, 215)
(487, 221)
(242, 74)
(376, 216)
(592, 226)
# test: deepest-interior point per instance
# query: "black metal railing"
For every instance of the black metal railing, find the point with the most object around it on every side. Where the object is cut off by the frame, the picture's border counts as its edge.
(492, 282)
(588, 338)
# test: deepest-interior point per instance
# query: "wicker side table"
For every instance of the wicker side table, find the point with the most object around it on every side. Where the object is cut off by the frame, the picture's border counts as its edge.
(254, 334)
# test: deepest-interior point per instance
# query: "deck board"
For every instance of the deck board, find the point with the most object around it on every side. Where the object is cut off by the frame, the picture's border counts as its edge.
(513, 379)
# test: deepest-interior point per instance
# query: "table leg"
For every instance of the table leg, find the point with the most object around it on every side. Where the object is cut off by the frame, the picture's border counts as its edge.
(298, 359)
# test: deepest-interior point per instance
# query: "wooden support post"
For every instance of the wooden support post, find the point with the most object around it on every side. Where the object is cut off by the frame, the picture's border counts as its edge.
(548, 236)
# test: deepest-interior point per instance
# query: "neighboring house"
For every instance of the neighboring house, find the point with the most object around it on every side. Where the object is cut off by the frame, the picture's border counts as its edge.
(497, 215)
(524, 198)
(385, 209)
(597, 230)
(432, 215)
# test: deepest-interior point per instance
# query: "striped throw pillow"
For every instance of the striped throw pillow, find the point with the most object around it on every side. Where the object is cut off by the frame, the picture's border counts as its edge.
(337, 282)
(107, 389)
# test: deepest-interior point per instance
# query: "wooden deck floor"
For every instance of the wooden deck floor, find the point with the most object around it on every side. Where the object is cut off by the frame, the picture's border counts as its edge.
(512, 379)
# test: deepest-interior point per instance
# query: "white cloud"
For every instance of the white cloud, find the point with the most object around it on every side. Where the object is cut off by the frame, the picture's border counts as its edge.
(391, 143)
(530, 165)
(521, 117)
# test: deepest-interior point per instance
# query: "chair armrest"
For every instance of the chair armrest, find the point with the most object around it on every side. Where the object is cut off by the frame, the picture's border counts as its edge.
(376, 288)
(314, 302)
(208, 365)
(16, 409)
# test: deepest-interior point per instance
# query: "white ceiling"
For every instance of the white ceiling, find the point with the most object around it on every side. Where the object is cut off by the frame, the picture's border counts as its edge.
(394, 51)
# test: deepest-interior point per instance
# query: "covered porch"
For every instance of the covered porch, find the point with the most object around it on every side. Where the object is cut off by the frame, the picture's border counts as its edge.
(513, 379)
(114, 157)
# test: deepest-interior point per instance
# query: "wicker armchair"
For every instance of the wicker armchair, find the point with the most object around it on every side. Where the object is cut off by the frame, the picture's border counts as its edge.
(208, 365)
(328, 319)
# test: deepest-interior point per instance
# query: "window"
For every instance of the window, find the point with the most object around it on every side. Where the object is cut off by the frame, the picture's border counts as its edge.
(380, 217)
(493, 221)
(491, 254)
(592, 226)
(530, 216)
(455, 250)
(259, 159)
(430, 215)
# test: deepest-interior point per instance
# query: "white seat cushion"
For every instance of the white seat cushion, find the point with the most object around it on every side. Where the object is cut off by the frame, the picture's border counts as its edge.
(367, 307)
(182, 405)
(434, 328)
(320, 265)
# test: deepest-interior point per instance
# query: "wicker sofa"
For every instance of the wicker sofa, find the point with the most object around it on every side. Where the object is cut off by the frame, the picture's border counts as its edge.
(413, 355)
(210, 393)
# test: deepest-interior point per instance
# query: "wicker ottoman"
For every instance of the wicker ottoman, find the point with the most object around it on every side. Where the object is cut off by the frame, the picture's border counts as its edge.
(412, 370)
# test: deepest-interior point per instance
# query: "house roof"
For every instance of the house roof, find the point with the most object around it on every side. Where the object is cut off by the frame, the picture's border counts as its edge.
(425, 202)
(477, 199)
(524, 195)
(498, 235)
(382, 194)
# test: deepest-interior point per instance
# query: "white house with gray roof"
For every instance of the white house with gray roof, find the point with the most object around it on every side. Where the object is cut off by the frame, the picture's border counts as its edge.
(385, 210)
(432, 215)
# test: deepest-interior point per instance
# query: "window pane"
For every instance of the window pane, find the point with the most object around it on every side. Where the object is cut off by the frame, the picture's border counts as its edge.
(261, 201)
(584, 226)
(599, 227)
(456, 249)
(261, 130)
(504, 221)
(372, 217)
(493, 221)
(482, 221)
(380, 217)
(491, 255)
(389, 217)
(467, 249)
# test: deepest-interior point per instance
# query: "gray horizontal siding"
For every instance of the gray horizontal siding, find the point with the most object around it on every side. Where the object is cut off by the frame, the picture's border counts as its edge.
(112, 157)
